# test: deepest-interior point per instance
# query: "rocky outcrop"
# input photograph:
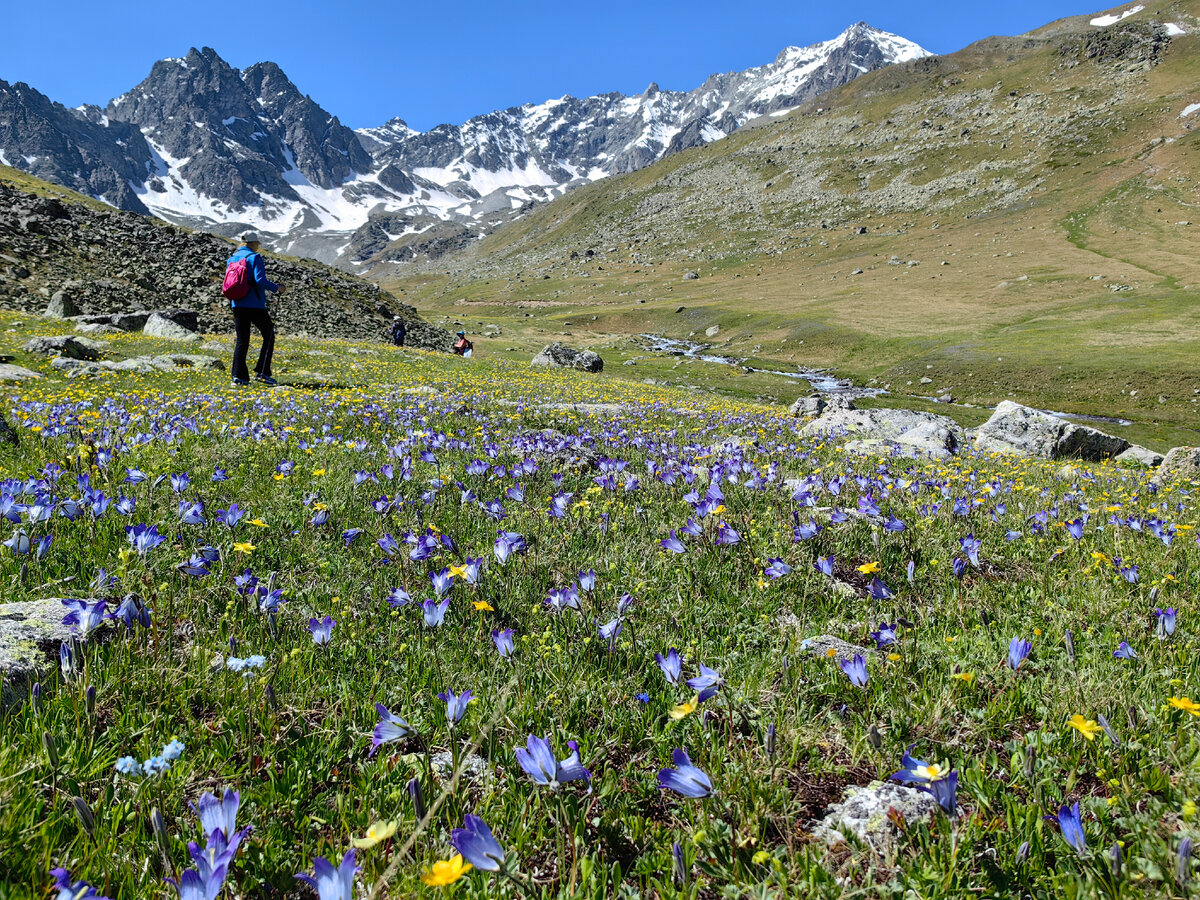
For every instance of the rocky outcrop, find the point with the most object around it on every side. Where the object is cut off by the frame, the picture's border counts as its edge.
(121, 267)
(1140, 456)
(1180, 464)
(142, 365)
(903, 430)
(30, 633)
(160, 326)
(10, 373)
(65, 345)
(1017, 429)
(817, 404)
(564, 357)
(871, 814)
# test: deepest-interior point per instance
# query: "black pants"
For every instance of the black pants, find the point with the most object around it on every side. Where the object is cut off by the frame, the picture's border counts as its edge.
(260, 319)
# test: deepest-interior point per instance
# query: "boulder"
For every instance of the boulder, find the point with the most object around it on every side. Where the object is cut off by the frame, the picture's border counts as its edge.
(1137, 455)
(65, 345)
(9, 372)
(816, 404)
(184, 318)
(564, 357)
(30, 632)
(172, 361)
(159, 326)
(62, 304)
(130, 321)
(76, 368)
(1017, 429)
(1180, 464)
(870, 814)
(96, 328)
(909, 431)
(712, 330)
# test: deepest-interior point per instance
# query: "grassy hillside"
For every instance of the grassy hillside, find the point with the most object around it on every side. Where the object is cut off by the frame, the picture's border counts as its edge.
(1019, 212)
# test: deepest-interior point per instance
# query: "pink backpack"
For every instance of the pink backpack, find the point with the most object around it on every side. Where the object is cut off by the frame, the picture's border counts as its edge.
(238, 280)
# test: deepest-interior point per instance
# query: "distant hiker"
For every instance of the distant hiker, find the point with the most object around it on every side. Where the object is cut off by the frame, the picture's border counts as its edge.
(246, 286)
(462, 346)
(399, 331)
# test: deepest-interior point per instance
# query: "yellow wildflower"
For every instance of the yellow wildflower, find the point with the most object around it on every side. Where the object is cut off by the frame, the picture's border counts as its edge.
(869, 568)
(968, 677)
(483, 606)
(378, 832)
(685, 709)
(244, 547)
(1087, 727)
(1185, 704)
(446, 871)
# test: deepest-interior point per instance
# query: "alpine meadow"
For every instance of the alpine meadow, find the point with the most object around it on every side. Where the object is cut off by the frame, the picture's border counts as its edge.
(783, 487)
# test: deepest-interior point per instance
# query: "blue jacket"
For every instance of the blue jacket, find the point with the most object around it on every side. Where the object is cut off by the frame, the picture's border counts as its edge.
(257, 298)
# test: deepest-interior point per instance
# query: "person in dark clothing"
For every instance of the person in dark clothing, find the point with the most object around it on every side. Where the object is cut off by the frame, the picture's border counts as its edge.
(399, 331)
(251, 310)
(462, 346)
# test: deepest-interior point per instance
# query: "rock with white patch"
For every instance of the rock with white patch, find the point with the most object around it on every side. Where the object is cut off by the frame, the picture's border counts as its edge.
(870, 813)
(909, 431)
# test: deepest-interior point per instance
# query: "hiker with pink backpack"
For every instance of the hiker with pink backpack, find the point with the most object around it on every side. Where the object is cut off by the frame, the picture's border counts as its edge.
(246, 287)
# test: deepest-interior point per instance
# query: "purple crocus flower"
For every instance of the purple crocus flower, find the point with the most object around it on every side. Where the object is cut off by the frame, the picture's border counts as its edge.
(777, 568)
(885, 636)
(707, 683)
(73, 890)
(670, 664)
(390, 728)
(133, 611)
(83, 615)
(941, 784)
(893, 524)
(1070, 823)
(321, 629)
(685, 778)
(143, 538)
(727, 535)
(805, 531)
(442, 582)
(587, 580)
(434, 612)
(673, 543)
(1018, 651)
(474, 841)
(692, 528)
(970, 546)
(855, 669)
(1166, 622)
(538, 761)
(456, 705)
(879, 590)
(331, 883)
(610, 631)
(196, 885)
(388, 545)
(350, 534)
(398, 597)
(503, 641)
(218, 815)
(825, 565)
(1075, 528)
(196, 566)
(18, 543)
(1124, 651)
(559, 504)
(959, 566)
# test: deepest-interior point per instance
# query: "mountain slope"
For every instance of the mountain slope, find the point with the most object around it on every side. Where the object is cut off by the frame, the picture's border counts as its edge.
(996, 214)
(109, 261)
(201, 143)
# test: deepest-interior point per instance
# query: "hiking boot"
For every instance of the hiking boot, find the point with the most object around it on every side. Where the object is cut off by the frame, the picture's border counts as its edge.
(266, 379)
(240, 382)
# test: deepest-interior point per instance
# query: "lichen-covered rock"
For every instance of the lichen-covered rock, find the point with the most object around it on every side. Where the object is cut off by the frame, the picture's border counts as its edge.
(869, 813)
(1137, 455)
(160, 326)
(1181, 463)
(915, 433)
(818, 404)
(30, 632)
(1017, 429)
(564, 357)
(10, 372)
(65, 345)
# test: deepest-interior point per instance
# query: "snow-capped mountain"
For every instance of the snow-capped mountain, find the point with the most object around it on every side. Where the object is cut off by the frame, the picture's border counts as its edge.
(201, 143)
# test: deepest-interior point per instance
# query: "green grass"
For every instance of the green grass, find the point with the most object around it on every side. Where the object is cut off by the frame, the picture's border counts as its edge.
(294, 738)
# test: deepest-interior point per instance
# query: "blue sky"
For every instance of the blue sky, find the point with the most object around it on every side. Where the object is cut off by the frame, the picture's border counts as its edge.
(445, 62)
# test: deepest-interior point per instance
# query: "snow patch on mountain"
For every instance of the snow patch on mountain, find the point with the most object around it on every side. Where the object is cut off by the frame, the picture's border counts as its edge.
(1114, 18)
